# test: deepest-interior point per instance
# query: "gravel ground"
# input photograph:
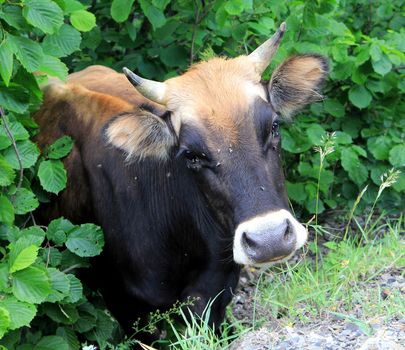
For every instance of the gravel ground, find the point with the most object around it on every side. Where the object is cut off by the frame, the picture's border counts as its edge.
(328, 333)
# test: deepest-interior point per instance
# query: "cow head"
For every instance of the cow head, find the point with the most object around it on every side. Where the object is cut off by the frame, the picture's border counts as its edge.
(223, 122)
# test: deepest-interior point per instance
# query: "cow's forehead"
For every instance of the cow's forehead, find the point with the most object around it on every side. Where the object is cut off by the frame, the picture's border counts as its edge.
(216, 94)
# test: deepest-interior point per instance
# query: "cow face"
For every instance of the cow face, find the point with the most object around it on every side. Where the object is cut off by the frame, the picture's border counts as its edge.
(224, 125)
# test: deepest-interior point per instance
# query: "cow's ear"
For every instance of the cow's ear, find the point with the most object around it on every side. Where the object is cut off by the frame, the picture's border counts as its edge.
(297, 82)
(141, 136)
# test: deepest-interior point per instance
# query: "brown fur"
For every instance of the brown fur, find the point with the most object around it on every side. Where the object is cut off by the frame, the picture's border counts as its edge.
(93, 109)
(214, 93)
(296, 82)
(141, 136)
(107, 81)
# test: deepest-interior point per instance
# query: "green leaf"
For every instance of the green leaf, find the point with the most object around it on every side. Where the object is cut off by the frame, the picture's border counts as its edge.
(172, 55)
(103, 329)
(73, 5)
(25, 201)
(52, 342)
(234, 7)
(362, 55)
(310, 205)
(360, 96)
(14, 98)
(71, 260)
(397, 156)
(375, 52)
(70, 336)
(10, 233)
(33, 234)
(399, 185)
(359, 77)
(83, 20)
(160, 4)
(29, 82)
(17, 130)
(21, 313)
(28, 52)
(57, 230)
(4, 321)
(153, 14)
(75, 290)
(51, 256)
(296, 191)
(294, 143)
(60, 148)
(343, 138)
(85, 240)
(27, 151)
(93, 38)
(63, 43)
(43, 14)
(359, 150)
(87, 319)
(7, 174)
(315, 133)
(120, 10)
(221, 16)
(21, 257)
(334, 107)
(5, 141)
(31, 285)
(60, 285)
(52, 175)
(6, 59)
(4, 275)
(382, 66)
(66, 313)
(6, 210)
(53, 66)
(351, 163)
(379, 147)
(13, 16)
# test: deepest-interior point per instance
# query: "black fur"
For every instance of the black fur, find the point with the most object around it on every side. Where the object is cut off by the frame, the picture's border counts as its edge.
(163, 243)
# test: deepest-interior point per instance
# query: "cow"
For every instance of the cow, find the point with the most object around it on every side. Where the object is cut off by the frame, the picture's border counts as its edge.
(184, 176)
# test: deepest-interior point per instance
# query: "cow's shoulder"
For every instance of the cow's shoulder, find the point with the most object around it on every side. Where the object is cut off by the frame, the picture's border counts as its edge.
(75, 110)
(107, 81)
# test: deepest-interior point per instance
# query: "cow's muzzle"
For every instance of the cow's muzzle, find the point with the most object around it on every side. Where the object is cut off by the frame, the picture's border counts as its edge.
(268, 238)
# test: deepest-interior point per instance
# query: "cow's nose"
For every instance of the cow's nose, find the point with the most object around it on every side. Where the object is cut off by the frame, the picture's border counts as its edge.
(270, 246)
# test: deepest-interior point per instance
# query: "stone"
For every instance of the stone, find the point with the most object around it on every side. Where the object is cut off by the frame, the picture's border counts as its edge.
(352, 326)
(377, 343)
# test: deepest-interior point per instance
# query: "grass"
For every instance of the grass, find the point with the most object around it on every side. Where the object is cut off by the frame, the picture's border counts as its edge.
(196, 334)
(304, 292)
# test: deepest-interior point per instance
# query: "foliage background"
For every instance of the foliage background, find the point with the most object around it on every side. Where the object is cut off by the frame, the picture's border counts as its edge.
(364, 106)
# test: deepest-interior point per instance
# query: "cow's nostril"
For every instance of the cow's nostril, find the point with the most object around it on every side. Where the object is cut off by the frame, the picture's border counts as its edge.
(248, 241)
(289, 233)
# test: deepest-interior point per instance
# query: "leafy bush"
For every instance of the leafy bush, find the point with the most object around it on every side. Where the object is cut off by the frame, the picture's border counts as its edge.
(159, 39)
(38, 287)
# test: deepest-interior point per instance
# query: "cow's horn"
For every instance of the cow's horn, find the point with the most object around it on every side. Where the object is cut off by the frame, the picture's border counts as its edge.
(153, 90)
(264, 53)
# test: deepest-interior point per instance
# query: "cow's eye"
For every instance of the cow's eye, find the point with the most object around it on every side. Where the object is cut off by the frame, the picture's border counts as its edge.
(195, 160)
(275, 128)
